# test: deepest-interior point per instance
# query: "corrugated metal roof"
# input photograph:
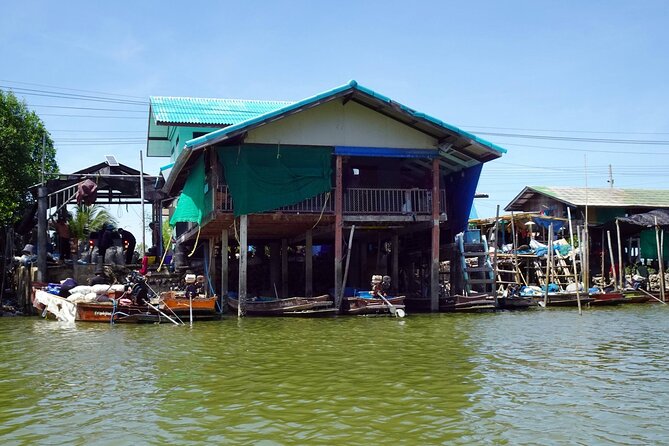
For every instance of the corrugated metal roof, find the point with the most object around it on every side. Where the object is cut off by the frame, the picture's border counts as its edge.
(606, 197)
(209, 111)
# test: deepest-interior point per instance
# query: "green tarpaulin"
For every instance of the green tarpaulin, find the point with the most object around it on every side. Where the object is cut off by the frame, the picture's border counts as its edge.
(265, 177)
(191, 204)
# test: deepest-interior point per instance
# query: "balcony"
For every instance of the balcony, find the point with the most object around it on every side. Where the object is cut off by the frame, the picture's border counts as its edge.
(357, 201)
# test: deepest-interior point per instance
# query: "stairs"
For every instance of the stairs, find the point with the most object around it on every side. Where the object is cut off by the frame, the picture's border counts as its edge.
(474, 262)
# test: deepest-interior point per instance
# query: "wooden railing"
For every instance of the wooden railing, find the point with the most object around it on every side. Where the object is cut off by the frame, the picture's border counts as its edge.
(361, 201)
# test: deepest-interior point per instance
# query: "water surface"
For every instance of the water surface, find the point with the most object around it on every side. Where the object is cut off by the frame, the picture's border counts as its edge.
(536, 377)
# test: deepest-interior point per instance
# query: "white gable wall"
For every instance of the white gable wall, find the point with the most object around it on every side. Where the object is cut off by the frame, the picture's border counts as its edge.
(334, 124)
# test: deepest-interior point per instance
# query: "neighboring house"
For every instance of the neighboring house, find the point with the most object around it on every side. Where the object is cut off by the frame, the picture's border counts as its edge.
(604, 204)
(288, 174)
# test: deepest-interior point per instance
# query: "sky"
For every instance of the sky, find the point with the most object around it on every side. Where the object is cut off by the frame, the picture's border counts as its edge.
(572, 89)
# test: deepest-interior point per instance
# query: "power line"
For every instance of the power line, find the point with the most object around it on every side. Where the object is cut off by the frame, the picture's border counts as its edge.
(569, 138)
(70, 89)
(565, 131)
(90, 116)
(567, 149)
(59, 95)
(87, 108)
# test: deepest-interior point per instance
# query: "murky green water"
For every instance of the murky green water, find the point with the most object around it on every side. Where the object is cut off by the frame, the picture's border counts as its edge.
(539, 377)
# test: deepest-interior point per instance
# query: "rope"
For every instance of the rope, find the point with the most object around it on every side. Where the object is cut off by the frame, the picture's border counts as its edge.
(327, 197)
(162, 260)
(196, 241)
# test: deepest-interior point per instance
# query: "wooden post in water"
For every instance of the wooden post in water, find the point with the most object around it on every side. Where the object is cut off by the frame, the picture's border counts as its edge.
(602, 258)
(224, 269)
(284, 267)
(309, 264)
(396, 259)
(434, 276)
(339, 221)
(495, 265)
(613, 264)
(243, 262)
(621, 270)
(348, 260)
(573, 262)
(660, 261)
(548, 263)
(514, 246)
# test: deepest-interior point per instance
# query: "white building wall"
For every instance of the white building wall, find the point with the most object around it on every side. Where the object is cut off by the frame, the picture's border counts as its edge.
(334, 124)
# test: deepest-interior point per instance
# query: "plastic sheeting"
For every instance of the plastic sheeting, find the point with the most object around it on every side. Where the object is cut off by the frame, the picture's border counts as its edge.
(191, 205)
(266, 177)
(63, 309)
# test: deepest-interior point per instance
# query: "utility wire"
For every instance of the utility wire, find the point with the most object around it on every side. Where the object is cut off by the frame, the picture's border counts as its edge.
(569, 138)
(87, 108)
(70, 89)
(565, 131)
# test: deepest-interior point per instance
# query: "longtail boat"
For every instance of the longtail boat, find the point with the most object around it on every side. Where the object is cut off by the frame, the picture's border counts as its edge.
(608, 298)
(176, 302)
(290, 306)
(363, 302)
(474, 303)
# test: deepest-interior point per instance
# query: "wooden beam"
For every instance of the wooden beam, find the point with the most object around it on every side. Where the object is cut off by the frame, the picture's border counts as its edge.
(308, 265)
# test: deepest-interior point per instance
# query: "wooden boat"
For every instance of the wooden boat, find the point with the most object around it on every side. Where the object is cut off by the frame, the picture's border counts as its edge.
(175, 302)
(364, 303)
(474, 303)
(515, 303)
(563, 299)
(610, 298)
(109, 312)
(420, 304)
(290, 306)
(638, 297)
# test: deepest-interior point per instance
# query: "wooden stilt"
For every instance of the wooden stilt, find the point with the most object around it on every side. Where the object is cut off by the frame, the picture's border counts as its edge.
(494, 246)
(243, 262)
(572, 254)
(621, 269)
(396, 266)
(309, 264)
(224, 269)
(339, 221)
(434, 276)
(613, 264)
(284, 267)
(660, 261)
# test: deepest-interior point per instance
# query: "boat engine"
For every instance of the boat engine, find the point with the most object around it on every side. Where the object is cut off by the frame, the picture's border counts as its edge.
(380, 284)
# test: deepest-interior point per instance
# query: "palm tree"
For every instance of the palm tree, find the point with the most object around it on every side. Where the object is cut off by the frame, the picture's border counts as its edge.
(88, 219)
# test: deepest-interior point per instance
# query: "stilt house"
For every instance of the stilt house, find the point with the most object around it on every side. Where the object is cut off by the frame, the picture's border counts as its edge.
(376, 185)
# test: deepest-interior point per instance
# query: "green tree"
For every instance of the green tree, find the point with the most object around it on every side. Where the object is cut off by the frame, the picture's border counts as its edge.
(88, 219)
(21, 133)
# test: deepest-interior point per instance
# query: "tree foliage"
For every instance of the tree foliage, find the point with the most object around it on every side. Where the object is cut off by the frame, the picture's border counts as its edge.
(88, 219)
(21, 133)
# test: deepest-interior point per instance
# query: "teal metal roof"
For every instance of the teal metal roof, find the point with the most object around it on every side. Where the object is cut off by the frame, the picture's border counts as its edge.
(352, 86)
(595, 197)
(209, 111)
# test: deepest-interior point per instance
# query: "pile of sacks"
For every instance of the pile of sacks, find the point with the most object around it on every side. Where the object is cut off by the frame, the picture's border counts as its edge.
(95, 293)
